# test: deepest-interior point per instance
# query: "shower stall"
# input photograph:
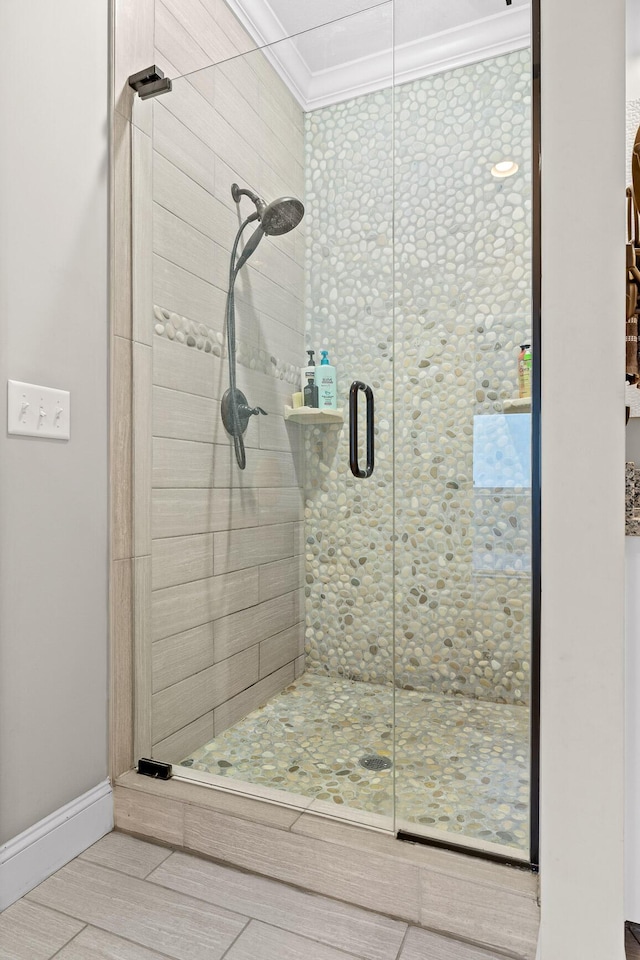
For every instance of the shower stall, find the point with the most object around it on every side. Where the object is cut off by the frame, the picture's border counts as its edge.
(358, 641)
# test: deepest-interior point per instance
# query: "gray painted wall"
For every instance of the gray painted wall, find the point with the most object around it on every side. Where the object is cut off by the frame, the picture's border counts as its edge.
(582, 693)
(53, 331)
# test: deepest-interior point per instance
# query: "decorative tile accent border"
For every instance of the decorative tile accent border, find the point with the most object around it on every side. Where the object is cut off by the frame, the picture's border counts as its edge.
(191, 334)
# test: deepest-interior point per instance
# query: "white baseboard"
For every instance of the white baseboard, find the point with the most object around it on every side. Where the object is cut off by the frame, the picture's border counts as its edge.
(34, 855)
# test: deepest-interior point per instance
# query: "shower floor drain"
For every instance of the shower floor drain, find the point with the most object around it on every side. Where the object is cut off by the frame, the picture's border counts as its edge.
(375, 762)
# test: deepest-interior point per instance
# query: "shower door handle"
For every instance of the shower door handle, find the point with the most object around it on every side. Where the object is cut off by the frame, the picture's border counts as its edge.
(356, 469)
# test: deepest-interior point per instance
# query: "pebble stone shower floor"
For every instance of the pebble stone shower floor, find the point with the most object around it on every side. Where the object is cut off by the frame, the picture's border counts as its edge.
(460, 765)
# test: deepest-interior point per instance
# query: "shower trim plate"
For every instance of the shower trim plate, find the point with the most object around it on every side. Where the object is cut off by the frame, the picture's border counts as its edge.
(235, 417)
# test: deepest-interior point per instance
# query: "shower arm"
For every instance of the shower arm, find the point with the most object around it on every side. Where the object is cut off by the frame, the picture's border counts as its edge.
(237, 192)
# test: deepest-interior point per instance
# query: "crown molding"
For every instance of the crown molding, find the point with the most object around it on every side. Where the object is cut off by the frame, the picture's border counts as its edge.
(458, 47)
(260, 21)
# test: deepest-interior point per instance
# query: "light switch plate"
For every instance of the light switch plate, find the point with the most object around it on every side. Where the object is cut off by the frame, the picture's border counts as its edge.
(34, 411)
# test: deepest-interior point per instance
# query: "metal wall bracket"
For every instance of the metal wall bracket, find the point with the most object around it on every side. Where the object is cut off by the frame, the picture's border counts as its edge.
(150, 82)
(154, 768)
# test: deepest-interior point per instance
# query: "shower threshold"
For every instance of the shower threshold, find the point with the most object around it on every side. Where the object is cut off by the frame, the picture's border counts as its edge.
(458, 766)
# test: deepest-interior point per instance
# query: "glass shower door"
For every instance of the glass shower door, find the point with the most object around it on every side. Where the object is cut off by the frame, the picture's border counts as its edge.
(271, 640)
(462, 453)
(354, 645)
(349, 517)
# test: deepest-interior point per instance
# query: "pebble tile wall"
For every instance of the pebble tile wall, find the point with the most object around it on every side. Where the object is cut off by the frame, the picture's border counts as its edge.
(436, 333)
(632, 500)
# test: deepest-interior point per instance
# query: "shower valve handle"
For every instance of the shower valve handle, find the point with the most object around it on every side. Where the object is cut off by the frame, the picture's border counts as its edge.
(246, 411)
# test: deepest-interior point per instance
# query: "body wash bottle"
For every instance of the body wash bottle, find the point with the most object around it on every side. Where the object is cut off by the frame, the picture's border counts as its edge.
(326, 383)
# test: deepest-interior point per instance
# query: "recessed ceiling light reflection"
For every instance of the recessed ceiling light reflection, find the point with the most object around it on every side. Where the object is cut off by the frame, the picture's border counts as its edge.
(504, 168)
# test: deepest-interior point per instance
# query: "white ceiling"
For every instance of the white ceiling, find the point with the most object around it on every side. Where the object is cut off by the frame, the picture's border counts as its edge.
(343, 48)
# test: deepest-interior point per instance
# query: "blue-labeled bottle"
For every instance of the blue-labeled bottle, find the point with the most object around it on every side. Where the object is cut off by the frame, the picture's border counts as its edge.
(326, 383)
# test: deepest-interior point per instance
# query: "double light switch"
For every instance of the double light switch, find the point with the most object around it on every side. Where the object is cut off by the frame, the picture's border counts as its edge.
(34, 411)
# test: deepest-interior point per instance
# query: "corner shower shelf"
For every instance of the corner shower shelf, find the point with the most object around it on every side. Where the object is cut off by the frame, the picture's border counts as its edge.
(313, 415)
(517, 405)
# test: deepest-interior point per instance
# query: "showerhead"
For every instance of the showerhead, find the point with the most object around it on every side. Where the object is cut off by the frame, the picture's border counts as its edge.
(281, 216)
(278, 217)
(274, 218)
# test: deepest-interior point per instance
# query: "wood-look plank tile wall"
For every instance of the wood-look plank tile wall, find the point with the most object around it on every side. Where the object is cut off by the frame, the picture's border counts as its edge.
(226, 613)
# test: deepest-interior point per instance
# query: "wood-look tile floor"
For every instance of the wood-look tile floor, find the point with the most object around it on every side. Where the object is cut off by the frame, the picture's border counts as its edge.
(124, 899)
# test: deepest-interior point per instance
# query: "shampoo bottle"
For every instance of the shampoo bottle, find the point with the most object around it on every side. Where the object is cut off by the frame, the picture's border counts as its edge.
(326, 383)
(308, 371)
(310, 390)
(524, 371)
